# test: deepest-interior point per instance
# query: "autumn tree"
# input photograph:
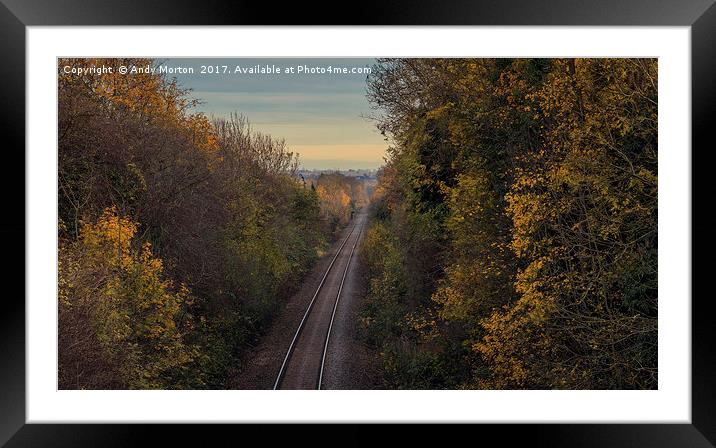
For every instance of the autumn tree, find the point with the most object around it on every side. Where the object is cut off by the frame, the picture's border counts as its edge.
(213, 232)
(122, 324)
(523, 193)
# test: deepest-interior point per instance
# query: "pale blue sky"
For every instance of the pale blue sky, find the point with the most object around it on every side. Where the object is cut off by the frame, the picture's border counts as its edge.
(319, 115)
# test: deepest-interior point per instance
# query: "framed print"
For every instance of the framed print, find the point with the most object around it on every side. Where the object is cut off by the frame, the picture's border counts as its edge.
(241, 214)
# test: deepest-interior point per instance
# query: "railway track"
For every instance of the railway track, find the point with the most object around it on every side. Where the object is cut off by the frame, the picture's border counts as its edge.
(305, 360)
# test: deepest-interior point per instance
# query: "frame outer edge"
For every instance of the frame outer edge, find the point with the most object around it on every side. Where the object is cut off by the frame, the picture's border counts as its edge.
(12, 90)
(394, 12)
(12, 317)
(703, 105)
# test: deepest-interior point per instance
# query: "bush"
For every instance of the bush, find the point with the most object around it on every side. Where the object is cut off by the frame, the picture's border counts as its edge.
(121, 322)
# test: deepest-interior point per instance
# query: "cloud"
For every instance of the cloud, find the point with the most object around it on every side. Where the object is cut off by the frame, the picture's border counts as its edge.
(320, 116)
(365, 153)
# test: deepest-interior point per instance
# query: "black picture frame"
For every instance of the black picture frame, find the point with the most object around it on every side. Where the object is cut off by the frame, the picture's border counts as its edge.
(16, 15)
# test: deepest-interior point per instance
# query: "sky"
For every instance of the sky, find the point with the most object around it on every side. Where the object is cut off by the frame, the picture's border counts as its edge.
(321, 116)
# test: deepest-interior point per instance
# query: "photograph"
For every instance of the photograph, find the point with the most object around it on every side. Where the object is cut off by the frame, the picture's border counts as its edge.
(402, 223)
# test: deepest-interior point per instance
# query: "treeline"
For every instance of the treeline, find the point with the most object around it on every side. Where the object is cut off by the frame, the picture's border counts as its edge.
(340, 197)
(514, 238)
(178, 237)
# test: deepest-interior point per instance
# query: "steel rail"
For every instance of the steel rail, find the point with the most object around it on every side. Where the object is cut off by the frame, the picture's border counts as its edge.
(289, 352)
(335, 307)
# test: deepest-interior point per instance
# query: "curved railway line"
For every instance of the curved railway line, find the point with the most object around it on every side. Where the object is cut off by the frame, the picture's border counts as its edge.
(305, 360)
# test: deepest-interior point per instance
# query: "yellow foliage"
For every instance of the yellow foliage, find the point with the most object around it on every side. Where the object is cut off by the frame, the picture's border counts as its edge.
(132, 308)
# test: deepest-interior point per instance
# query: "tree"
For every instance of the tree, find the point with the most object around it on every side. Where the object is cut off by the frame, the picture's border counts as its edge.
(530, 186)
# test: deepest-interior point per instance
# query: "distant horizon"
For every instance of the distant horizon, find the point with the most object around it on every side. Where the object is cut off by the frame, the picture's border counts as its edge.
(337, 165)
